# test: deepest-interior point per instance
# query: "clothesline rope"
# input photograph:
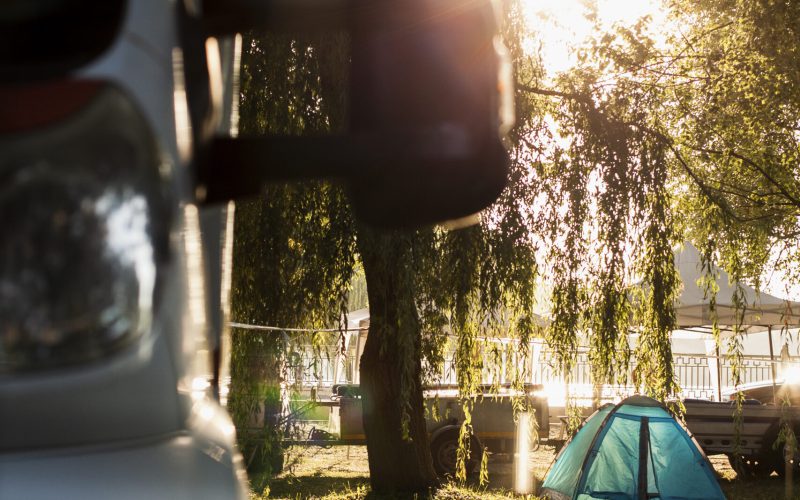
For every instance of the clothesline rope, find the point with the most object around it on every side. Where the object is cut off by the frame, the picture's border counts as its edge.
(246, 326)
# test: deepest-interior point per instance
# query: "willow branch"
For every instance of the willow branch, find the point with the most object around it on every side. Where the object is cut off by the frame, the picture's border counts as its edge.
(707, 190)
(795, 201)
(554, 93)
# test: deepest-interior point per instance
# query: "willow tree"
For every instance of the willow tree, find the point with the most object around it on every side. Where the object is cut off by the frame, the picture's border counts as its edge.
(294, 255)
(426, 283)
(614, 163)
(739, 113)
(607, 216)
(294, 246)
(693, 138)
(724, 105)
(738, 106)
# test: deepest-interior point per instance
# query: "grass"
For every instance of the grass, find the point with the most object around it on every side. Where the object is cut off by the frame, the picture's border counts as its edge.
(329, 488)
(338, 489)
(340, 473)
(766, 489)
(771, 488)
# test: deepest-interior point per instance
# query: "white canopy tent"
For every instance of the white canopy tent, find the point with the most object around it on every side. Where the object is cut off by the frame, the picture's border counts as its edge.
(693, 309)
(762, 311)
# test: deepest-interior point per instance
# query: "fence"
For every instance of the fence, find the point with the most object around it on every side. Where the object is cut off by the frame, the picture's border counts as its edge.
(502, 360)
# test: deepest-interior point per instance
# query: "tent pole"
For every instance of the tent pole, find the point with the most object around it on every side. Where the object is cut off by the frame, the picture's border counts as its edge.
(772, 366)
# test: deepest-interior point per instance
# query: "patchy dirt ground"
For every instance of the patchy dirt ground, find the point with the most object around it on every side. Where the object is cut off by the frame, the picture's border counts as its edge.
(342, 472)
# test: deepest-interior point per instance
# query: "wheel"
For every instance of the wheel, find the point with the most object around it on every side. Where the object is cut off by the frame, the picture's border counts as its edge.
(751, 467)
(444, 451)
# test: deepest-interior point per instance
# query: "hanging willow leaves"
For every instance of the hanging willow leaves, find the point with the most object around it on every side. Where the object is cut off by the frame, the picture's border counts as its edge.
(295, 254)
(614, 163)
(654, 370)
(294, 248)
(738, 105)
(694, 137)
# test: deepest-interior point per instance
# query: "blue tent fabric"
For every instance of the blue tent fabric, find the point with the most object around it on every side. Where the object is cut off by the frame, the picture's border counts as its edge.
(635, 450)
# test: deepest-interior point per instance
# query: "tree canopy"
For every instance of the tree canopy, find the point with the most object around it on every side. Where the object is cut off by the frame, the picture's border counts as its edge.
(656, 141)
(294, 247)
(649, 141)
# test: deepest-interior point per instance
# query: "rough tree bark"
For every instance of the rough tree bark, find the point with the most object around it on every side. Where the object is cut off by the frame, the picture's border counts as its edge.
(399, 459)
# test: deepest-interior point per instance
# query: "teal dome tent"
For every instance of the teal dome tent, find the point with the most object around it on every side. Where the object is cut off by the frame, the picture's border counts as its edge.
(634, 450)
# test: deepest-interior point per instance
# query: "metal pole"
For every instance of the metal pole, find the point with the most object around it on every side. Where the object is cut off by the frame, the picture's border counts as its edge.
(719, 376)
(772, 365)
(788, 485)
(357, 361)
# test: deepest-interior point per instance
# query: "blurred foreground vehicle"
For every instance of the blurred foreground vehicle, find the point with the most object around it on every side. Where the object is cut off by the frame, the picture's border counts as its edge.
(115, 141)
(103, 316)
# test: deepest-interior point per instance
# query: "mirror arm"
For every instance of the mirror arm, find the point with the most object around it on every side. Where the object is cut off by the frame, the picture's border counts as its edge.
(235, 167)
(240, 167)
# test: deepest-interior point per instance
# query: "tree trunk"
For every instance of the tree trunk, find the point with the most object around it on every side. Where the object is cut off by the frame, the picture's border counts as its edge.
(399, 455)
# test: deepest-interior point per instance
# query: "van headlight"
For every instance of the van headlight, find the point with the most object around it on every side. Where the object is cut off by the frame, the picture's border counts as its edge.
(84, 225)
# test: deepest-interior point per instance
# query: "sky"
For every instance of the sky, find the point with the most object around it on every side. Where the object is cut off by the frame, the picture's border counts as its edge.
(564, 23)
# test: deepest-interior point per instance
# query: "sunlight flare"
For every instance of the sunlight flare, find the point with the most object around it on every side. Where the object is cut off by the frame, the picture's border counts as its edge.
(560, 26)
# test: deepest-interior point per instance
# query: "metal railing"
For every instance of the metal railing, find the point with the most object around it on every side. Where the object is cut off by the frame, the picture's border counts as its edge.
(692, 371)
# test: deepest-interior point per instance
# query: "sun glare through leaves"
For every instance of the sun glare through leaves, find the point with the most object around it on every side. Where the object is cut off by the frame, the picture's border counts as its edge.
(560, 26)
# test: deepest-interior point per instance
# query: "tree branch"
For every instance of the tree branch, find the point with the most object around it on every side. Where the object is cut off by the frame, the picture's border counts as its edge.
(704, 188)
(707, 190)
(554, 93)
(795, 201)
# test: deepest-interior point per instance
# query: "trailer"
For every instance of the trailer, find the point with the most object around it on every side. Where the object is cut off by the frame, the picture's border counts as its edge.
(494, 428)
(713, 425)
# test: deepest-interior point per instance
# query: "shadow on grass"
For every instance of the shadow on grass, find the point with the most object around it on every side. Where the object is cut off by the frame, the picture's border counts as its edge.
(357, 488)
(770, 488)
(318, 485)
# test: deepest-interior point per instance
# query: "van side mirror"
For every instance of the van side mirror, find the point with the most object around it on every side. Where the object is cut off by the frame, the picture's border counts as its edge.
(430, 93)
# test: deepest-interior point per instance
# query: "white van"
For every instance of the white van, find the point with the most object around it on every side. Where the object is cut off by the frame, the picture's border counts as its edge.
(103, 320)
